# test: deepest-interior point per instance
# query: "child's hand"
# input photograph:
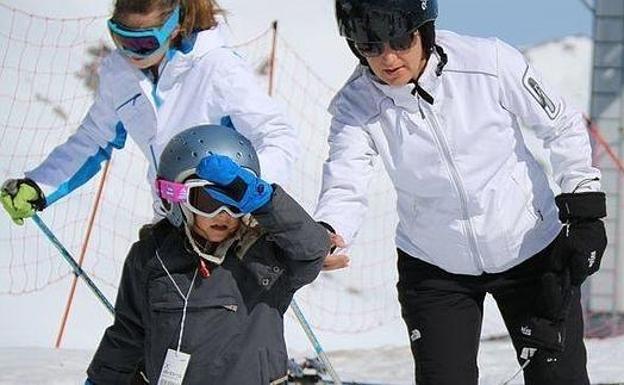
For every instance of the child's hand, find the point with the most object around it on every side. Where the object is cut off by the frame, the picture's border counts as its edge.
(234, 185)
(335, 262)
(337, 259)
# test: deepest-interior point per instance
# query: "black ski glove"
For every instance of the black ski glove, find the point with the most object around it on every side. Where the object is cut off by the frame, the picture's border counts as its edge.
(583, 239)
(545, 332)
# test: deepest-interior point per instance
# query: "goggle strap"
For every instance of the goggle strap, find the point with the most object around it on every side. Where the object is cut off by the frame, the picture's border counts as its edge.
(172, 22)
(171, 191)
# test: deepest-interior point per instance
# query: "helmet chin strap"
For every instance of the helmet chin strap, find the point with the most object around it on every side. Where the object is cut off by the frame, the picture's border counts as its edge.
(219, 253)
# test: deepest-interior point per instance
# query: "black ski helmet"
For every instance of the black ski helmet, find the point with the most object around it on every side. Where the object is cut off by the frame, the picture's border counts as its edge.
(384, 20)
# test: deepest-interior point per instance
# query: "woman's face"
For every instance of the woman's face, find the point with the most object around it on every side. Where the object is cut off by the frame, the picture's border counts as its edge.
(398, 68)
(154, 18)
(218, 228)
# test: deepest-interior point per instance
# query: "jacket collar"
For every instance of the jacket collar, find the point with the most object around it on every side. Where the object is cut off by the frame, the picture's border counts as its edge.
(179, 60)
(406, 96)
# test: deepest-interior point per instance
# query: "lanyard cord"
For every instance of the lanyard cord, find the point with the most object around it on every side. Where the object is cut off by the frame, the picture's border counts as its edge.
(185, 298)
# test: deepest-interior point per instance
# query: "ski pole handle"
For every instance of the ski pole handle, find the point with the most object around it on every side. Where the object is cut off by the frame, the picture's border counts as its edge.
(315, 343)
(78, 271)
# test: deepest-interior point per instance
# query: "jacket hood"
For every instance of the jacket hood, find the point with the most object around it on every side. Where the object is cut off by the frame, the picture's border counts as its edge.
(199, 44)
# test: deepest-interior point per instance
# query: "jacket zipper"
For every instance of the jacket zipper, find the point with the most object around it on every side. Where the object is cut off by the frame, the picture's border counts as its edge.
(456, 179)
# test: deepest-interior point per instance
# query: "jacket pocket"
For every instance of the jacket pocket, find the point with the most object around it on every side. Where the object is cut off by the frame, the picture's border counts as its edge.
(138, 118)
(212, 326)
(264, 268)
(528, 200)
(519, 210)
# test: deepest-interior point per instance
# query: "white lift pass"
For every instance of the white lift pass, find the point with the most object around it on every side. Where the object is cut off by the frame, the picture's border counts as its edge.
(174, 368)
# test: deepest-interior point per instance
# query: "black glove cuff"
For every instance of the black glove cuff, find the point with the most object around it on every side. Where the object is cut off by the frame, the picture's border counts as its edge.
(327, 226)
(585, 205)
(40, 202)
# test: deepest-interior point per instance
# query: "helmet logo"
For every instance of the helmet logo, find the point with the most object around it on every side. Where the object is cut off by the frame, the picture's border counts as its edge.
(423, 4)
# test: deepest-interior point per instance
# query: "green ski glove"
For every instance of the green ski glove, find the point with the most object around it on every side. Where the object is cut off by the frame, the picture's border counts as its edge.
(21, 198)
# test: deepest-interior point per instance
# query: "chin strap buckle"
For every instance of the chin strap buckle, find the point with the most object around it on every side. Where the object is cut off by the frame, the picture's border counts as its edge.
(204, 271)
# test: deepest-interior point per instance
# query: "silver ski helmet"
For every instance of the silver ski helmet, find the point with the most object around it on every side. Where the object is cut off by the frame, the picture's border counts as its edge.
(185, 150)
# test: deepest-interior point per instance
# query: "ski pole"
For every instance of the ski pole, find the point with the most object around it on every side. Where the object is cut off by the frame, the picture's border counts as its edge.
(77, 270)
(315, 342)
(526, 363)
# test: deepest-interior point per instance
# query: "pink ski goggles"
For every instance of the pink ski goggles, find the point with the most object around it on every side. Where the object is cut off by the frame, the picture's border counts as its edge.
(194, 195)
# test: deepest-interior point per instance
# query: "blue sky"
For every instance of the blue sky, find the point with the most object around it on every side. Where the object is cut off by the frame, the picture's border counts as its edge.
(517, 22)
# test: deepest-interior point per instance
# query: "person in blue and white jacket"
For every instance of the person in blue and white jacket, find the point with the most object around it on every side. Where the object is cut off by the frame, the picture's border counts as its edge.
(171, 70)
(476, 213)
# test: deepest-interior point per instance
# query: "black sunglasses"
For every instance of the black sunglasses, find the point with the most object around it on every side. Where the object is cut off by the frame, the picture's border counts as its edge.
(376, 48)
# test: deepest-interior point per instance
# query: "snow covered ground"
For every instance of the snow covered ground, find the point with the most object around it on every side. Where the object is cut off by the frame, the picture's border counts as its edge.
(392, 366)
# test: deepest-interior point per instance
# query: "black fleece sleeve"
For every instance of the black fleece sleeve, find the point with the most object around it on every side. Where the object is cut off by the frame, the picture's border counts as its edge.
(304, 242)
(121, 348)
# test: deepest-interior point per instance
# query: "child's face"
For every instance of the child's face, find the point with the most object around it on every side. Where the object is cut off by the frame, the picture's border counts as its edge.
(218, 228)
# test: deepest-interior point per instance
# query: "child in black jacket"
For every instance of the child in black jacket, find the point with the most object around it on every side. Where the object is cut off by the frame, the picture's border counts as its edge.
(202, 296)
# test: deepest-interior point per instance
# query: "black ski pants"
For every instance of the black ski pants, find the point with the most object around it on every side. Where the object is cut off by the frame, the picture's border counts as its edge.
(443, 313)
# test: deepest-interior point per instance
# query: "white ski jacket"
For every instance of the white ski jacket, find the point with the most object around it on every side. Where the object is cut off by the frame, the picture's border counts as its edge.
(202, 82)
(471, 197)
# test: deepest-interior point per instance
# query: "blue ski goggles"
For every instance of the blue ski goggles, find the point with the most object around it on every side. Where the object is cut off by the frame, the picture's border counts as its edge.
(141, 43)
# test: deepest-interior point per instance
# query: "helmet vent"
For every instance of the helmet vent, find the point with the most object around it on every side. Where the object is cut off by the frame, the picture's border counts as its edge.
(239, 155)
(194, 154)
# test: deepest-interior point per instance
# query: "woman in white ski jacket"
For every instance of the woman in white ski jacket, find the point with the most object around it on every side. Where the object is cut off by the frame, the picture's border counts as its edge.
(476, 213)
(171, 70)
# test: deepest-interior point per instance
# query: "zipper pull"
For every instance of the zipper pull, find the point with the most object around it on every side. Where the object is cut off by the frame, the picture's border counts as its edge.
(416, 94)
(567, 227)
(422, 114)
